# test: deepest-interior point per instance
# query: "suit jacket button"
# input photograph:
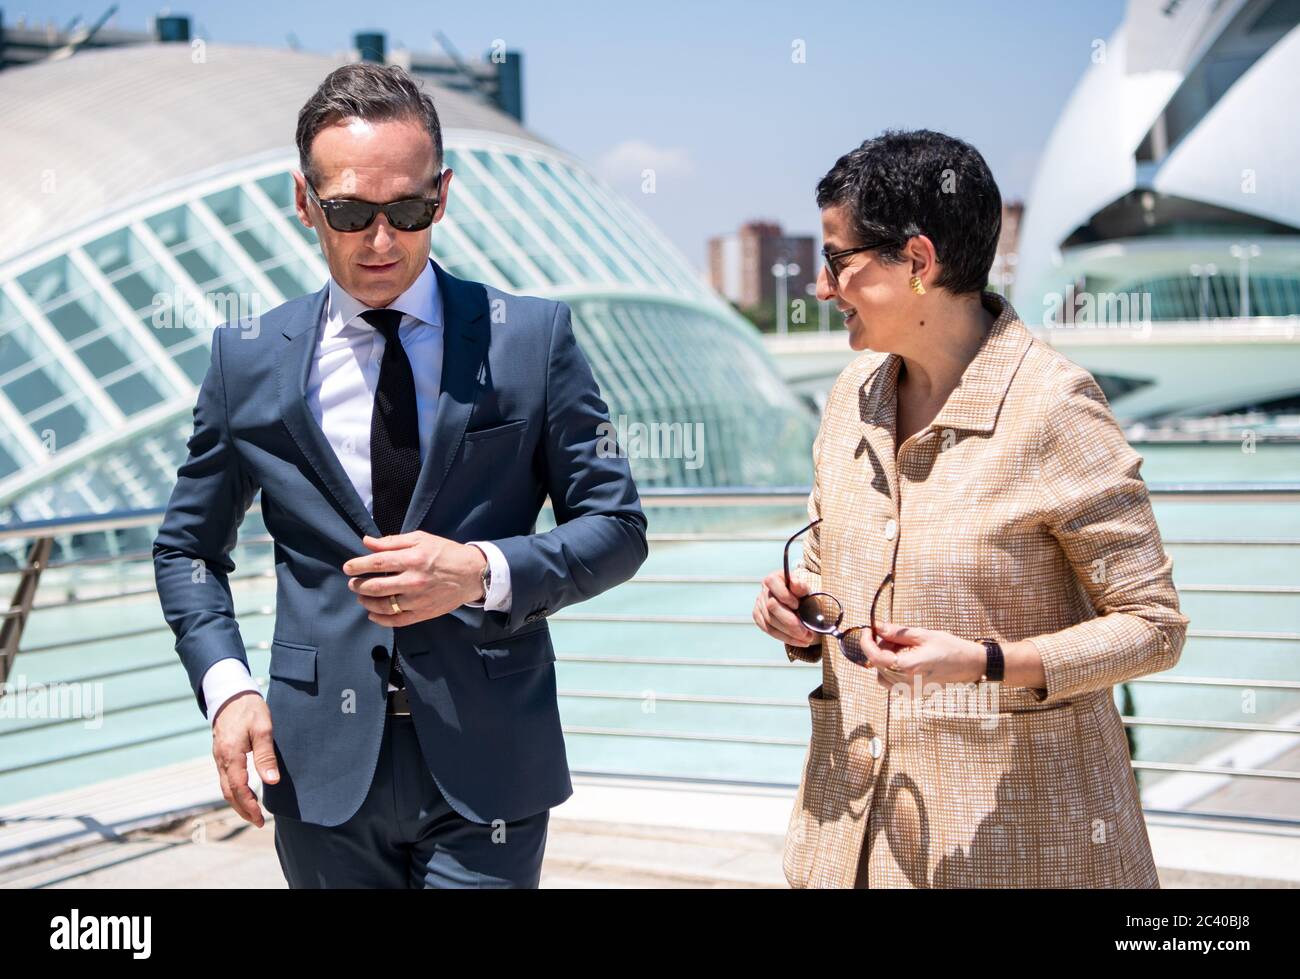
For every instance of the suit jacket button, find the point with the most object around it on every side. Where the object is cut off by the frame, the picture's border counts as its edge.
(379, 654)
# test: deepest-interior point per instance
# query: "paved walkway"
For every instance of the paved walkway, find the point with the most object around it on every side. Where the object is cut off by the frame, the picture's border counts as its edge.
(165, 829)
(220, 850)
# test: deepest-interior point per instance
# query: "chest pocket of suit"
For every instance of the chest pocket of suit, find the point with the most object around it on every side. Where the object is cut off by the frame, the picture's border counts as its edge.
(498, 442)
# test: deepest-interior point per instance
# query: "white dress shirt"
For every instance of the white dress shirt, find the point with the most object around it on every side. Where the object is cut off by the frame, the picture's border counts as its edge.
(341, 395)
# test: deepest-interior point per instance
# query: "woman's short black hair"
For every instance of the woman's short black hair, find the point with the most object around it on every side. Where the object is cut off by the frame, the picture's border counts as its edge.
(904, 183)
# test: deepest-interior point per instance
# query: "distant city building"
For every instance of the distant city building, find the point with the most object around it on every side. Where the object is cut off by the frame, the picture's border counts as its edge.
(740, 264)
(1003, 274)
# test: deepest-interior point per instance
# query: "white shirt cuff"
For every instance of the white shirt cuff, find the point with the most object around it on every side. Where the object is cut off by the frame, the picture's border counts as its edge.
(224, 679)
(497, 598)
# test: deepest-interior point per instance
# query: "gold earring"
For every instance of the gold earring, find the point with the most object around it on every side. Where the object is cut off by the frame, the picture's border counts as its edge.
(916, 285)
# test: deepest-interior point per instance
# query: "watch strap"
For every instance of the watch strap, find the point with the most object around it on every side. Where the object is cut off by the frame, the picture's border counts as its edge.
(994, 661)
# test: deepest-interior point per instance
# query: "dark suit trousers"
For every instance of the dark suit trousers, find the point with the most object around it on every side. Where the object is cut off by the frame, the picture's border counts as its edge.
(405, 835)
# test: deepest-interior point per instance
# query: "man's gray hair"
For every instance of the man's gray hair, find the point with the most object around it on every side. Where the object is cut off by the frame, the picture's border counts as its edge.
(365, 90)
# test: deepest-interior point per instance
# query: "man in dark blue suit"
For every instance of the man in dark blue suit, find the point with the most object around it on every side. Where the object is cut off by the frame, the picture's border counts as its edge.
(404, 427)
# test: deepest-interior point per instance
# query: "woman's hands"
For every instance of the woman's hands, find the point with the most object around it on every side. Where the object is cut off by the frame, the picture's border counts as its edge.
(774, 610)
(903, 654)
(933, 656)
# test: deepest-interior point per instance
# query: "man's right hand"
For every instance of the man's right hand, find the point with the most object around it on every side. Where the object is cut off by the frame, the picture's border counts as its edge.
(775, 607)
(243, 724)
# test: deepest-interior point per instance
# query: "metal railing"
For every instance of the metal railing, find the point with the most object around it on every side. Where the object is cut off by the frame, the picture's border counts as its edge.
(41, 536)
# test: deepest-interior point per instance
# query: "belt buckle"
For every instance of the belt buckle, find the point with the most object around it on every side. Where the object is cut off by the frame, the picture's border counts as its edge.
(399, 705)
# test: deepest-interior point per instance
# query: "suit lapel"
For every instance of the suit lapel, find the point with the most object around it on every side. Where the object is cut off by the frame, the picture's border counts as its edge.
(464, 306)
(293, 366)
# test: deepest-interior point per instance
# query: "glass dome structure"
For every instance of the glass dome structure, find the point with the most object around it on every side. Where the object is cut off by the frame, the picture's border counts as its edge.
(159, 186)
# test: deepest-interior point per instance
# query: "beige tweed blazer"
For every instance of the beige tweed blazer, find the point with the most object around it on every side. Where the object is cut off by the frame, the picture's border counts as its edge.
(1017, 514)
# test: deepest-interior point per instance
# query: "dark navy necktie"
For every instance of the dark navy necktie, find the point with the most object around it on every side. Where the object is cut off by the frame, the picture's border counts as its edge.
(394, 439)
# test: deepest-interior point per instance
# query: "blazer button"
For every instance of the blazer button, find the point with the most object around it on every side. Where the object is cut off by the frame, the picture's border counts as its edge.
(891, 529)
(379, 654)
(877, 747)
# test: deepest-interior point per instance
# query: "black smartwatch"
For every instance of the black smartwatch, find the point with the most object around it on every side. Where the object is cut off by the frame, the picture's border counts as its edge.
(994, 664)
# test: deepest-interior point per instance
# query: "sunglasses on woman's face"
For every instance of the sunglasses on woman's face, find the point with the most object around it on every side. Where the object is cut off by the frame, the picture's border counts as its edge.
(410, 214)
(812, 611)
(835, 260)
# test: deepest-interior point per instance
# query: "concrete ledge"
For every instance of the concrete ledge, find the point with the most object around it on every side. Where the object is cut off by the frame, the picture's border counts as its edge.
(1206, 851)
(170, 828)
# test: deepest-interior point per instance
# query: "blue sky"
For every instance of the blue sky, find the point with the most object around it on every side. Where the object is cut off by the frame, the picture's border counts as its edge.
(708, 94)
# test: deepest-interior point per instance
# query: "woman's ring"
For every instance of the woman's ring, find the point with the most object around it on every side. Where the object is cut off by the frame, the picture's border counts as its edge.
(392, 600)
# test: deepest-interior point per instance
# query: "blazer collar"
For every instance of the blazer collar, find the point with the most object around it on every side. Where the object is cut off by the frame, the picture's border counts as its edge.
(974, 404)
(421, 301)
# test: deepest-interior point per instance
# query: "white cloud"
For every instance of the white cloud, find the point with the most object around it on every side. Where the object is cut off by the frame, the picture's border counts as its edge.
(626, 161)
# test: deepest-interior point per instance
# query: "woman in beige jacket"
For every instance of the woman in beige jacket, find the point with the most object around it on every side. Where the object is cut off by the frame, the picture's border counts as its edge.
(972, 484)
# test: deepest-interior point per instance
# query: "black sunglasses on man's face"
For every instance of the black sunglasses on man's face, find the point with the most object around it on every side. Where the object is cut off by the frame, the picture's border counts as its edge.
(409, 214)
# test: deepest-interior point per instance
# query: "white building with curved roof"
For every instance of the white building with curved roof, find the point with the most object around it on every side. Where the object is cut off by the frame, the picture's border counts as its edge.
(144, 183)
(1160, 246)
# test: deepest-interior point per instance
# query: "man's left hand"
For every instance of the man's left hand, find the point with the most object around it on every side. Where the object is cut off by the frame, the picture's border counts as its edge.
(428, 575)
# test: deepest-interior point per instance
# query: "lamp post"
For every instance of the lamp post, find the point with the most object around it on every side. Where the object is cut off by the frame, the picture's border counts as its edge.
(1244, 253)
(823, 309)
(1203, 272)
(782, 271)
